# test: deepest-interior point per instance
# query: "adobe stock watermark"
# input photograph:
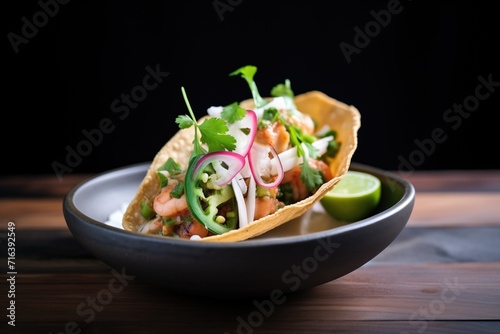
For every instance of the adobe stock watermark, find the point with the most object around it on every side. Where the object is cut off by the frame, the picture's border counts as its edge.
(293, 278)
(87, 308)
(221, 7)
(30, 28)
(373, 28)
(453, 119)
(435, 307)
(121, 107)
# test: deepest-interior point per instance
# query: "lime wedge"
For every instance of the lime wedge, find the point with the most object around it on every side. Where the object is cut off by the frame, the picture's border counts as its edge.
(354, 197)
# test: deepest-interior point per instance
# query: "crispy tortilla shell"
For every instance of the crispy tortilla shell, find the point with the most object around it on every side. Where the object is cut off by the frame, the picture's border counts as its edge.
(344, 119)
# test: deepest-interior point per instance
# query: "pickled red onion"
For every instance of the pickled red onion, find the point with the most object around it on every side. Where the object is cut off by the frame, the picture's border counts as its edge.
(226, 165)
(264, 162)
(244, 132)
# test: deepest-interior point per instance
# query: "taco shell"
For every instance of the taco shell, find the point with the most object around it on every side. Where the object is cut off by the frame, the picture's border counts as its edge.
(342, 118)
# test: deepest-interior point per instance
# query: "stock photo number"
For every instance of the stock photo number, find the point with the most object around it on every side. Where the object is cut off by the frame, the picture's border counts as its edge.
(11, 273)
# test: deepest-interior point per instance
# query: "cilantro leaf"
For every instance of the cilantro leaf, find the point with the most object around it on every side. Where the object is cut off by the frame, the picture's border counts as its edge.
(285, 91)
(233, 112)
(214, 134)
(270, 114)
(247, 72)
(213, 131)
(184, 121)
(312, 151)
(311, 177)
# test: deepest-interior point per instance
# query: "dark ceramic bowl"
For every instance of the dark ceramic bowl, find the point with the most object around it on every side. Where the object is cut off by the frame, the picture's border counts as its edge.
(301, 254)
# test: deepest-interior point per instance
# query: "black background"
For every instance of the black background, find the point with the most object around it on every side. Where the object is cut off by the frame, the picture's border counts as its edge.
(427, 58)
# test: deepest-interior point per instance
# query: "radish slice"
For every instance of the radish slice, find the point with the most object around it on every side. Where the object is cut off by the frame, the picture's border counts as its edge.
(226, 164)
(265, 163)
(322, 144)
(240, 201)
(244, 132)
(215, 111)
(250, 199)
(240, 181)
(290, 159)
(245, 171)
(277, 102)
(323, 130)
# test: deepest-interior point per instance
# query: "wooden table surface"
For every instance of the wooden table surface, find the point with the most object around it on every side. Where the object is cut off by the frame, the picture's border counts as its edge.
(440, 275)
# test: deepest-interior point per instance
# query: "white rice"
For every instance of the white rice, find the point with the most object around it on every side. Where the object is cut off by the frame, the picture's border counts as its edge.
(115, 218)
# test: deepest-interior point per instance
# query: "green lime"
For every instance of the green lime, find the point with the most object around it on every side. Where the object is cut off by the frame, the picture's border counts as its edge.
(354, 197)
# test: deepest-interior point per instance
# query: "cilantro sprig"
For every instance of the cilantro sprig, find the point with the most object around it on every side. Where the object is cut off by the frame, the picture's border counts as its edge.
(285, 91)
(213, 132)
(247, 72)
(311, 177)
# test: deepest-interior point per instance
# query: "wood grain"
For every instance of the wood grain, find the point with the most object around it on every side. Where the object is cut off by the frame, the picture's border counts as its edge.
(44, 213)
(407, 295)
(431, 209)
(422, 283)
(443, 181)
(456, 209)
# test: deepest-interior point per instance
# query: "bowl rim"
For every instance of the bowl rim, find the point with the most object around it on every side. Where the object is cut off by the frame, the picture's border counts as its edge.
(70, 208)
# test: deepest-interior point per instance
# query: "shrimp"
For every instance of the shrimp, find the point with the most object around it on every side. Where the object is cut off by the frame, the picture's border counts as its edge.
(303, 121)
(265, 206)
(153, 226)
(167, 206)
(323, 168)
(274, 134)
(190, 228)
(292, 177)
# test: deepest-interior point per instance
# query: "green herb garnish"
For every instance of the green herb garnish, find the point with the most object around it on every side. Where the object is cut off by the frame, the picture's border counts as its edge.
(247, 73)
(233, 113)
(333, 146)
(311, 177)
(213, 132)
(285, 91)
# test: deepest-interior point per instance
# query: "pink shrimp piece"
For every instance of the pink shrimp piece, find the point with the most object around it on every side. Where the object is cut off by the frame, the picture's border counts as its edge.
(275, 135)
(167, 206)
(188, 229)
(303, 121)
(299, 189)
(266, 206)
(153, 226)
